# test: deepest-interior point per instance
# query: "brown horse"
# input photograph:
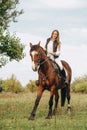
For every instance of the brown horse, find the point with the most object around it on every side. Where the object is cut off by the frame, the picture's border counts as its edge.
(49, 79)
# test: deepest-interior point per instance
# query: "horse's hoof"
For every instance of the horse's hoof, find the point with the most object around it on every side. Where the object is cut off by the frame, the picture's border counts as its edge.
(49, 117)
(31, 118)
(54, 112)
(69, 110)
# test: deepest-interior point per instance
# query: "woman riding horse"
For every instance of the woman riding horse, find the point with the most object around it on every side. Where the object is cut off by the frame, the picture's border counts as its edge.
(53, 49)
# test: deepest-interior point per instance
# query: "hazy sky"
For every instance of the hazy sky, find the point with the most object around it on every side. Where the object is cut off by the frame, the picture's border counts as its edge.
(40, 18)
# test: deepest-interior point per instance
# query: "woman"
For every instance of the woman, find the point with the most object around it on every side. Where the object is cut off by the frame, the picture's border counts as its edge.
(53, 48)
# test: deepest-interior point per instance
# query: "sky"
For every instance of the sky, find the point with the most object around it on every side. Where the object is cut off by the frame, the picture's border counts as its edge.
(39, 19)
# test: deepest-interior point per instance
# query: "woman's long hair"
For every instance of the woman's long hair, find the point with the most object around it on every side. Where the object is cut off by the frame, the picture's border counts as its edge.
(57, 39)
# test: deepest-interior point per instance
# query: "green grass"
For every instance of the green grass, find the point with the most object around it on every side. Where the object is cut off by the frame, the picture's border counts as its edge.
(15, 108)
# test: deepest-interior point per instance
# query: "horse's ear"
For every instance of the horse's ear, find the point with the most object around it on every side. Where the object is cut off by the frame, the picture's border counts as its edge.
(30, 44)
(38, 44)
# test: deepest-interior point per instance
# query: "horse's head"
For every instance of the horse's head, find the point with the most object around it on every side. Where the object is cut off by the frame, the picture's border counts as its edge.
(35, 56)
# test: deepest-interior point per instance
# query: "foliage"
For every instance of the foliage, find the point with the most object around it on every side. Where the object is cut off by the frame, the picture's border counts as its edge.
(10, 45)
(80, 85)
(31, 86)
(11, 85)
(11, 48)
(8, 12)
(3, 60)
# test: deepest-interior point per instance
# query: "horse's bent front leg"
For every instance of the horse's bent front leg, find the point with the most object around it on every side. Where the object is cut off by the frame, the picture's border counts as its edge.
(39, 94)
(49, 116)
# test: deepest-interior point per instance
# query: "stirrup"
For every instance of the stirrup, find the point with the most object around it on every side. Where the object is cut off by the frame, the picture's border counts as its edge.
(63, 74)
(37, 83)
(66, 82)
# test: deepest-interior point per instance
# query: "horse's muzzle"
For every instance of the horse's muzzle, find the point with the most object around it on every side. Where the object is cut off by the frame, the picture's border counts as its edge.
(34, 67)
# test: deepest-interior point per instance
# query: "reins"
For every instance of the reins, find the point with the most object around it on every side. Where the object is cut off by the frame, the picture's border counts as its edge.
(43, 61)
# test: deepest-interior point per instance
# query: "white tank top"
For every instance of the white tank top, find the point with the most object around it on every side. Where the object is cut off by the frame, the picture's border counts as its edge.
(50, 46)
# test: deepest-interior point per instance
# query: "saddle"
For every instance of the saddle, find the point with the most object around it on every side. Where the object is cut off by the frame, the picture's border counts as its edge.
(57, 69)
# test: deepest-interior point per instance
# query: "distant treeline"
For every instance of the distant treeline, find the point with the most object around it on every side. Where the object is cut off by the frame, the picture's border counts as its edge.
(13, 85)
(80, 84)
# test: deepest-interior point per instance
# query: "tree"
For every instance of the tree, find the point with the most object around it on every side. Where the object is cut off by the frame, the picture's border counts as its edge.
(31, 86)
(10, 45)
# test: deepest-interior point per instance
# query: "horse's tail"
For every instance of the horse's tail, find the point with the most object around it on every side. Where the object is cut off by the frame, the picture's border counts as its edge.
(68, 70)
(66, 88)
(63, 96)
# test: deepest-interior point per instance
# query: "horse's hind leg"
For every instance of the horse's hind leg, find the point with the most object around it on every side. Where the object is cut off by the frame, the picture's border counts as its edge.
(56, 102)
(68, 99)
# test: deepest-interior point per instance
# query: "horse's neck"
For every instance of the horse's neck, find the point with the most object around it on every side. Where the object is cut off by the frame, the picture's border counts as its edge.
(46, 66)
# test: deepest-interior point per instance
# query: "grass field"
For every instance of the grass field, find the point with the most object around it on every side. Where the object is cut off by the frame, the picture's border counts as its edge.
(15, 108)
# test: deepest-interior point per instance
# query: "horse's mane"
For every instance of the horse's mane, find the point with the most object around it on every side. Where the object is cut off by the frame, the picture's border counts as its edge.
(41, 48)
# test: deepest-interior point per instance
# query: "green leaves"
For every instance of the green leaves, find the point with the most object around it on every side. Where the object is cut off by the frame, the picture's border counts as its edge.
(10, 45)
(8, 12)
(10, 48)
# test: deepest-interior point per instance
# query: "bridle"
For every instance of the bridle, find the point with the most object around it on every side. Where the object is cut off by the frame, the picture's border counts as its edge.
(40, 58)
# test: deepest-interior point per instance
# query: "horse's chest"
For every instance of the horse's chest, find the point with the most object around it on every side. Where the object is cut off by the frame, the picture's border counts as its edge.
(47, 84)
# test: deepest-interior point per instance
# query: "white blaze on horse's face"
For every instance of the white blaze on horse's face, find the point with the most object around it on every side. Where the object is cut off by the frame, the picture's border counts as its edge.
(35, 58)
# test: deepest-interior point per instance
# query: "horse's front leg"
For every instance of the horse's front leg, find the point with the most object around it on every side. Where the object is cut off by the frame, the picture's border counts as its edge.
(39, 94)
(49, 116)
(56, 102)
